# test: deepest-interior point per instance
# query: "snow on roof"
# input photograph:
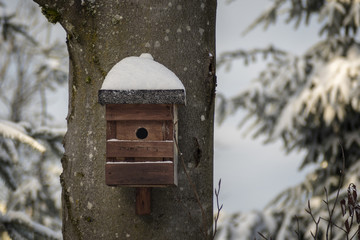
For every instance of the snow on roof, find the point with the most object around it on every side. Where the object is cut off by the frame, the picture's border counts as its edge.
(140, 73)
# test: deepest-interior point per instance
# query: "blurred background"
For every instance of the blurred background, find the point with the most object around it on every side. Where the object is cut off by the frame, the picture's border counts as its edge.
(270, 73)
(252, 173)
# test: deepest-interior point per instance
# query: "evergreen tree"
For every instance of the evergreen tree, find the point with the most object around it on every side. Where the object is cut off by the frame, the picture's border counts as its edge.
(310, 102)
(30, 150)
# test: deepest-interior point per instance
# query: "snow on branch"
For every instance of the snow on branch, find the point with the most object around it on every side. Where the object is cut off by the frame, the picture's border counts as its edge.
(47, 133)
(269, 16)
(19, 224)
(338, 18)
(29, 189)
(8, 130)
(327, 91)
(228, 57)
(306, 101)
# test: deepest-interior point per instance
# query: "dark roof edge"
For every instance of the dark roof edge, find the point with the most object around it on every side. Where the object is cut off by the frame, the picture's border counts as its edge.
(168, 96)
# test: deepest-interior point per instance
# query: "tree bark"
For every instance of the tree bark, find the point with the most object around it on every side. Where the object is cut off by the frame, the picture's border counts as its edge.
(178, 34)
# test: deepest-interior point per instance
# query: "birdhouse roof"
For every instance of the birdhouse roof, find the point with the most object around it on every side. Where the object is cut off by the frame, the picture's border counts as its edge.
(141, 80)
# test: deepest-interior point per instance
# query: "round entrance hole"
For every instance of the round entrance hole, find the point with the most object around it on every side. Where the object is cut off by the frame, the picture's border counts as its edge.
(141, 133)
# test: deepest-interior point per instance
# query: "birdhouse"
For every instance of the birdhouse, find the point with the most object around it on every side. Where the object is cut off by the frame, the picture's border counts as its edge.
(141, 97)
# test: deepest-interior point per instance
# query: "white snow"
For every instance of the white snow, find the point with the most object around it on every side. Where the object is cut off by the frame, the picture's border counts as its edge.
(8, 130)
(140, 73)
(333, 85)
(23, 219)
(53, 63)
(28, 189)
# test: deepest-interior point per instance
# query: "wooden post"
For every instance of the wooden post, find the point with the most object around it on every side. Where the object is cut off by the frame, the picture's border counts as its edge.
(143, 201)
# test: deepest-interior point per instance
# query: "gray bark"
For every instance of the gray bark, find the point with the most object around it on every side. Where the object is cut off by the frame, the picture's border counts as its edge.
(178, 34)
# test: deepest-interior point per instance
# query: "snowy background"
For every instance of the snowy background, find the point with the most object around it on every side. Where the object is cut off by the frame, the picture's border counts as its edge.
(252, 174)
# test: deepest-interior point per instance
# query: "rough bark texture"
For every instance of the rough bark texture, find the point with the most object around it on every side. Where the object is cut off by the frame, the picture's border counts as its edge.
(178, 34)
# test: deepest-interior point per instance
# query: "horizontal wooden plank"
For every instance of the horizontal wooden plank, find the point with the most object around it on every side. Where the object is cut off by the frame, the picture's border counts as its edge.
(118, 148)
(111, 134)
(156, 130)
(138, 112)
(139, 174)
(138, 159)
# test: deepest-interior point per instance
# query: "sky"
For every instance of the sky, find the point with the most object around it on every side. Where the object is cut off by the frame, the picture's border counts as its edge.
(252, 173)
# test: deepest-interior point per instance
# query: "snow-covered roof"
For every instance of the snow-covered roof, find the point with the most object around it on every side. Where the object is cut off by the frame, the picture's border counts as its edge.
(141, 73)
(141, 80)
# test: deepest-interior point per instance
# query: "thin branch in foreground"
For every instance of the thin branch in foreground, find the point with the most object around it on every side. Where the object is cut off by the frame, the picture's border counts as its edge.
(264, 236)
(217, 192)
(314, 235)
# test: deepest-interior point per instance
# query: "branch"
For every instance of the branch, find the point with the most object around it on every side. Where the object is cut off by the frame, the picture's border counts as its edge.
(21, 225)
(217, 192)
(8, 131)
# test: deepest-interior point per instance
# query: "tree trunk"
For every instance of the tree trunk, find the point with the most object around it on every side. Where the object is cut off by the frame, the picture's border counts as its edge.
(181, 36)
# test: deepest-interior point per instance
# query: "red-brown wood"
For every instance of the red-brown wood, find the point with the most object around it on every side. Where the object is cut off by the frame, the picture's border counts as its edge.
(135, 149)
(143, 201)
(140, 159)
(157, 130)
(111, 134)
(110, 129)
(116, 112)
(134, 161)
(139, 174)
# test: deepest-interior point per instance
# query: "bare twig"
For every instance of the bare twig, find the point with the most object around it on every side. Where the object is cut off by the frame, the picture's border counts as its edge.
(264, 236)
(217, 192)
(315, 236)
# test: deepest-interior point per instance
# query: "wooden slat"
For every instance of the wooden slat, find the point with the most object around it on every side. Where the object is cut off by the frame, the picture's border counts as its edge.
(110, 129)
(138, 112)
(135, 149)
(139, 174)
(110, 134)
(143, 201)
(140, 159)
(157, 130)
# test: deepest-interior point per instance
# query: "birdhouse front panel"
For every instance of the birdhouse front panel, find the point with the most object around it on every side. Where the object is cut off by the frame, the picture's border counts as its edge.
(140, 147)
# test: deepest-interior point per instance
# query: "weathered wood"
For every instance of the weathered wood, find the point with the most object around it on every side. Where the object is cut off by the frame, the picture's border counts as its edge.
(110, 134)
(135, 149)
(175, 132)
(138, 112)
(157, 130)
(140, 159)
(143, 201)
(110, 129)
(139, 174)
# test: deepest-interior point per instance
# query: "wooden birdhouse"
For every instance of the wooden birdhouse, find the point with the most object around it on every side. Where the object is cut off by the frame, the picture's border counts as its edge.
(141, 98)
